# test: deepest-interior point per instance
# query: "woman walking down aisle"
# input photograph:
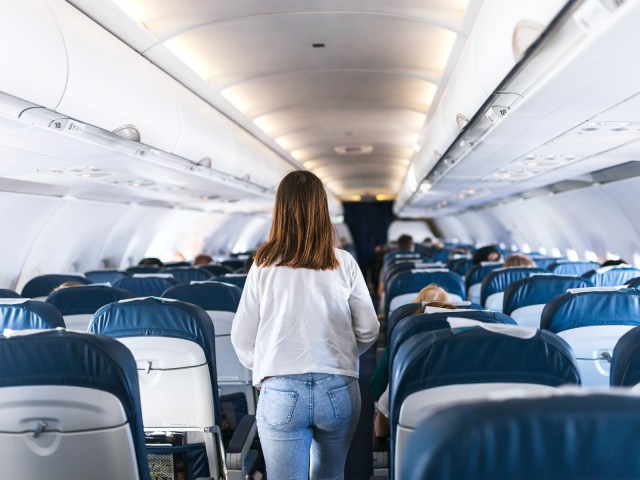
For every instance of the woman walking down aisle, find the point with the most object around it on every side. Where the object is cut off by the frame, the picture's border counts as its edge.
(304, 318)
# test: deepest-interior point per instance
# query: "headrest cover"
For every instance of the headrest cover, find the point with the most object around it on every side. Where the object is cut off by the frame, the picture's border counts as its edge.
(568, 267)
(86, 299)
(408, 282)
(60, 357)
(25, 314)
(187, 274)
(591, 308)
(208, 295)
(6, 293)
(477, 272)
(559, 437)
(502, 329)
(538, 289)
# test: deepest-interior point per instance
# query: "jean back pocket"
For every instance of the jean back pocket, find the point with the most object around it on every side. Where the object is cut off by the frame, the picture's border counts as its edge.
(276, 406)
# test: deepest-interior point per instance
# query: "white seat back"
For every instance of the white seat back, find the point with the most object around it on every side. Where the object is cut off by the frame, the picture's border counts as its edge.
(175, 386)
(592, 347)
(78, 322)
(528, 316)
(473, 295)
(418, 406)
(43, 428)
(494, 301)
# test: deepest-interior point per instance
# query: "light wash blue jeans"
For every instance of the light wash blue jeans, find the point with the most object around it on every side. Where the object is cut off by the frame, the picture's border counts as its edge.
(309, 416)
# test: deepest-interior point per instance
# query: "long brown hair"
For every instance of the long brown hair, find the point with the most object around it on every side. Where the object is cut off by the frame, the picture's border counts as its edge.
(301, 233)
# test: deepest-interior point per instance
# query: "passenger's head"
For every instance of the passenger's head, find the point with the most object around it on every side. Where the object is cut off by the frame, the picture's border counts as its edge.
(613, 263)
(490, 253)
(405, 243)
(202, 259)
(432, 293)
(519, 260)
(68, 284)
(301, 233)
(151, 261)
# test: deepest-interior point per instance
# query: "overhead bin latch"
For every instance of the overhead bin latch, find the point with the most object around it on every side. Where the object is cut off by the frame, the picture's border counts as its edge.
(40, 428)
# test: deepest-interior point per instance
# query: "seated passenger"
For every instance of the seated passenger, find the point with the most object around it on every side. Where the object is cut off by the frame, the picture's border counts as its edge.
(519, 260)
(151, 261)
(489, 253)
(68, 284)
(202, 259)
(430, 294)
(406, 245)
(614, 263)
(381, 425)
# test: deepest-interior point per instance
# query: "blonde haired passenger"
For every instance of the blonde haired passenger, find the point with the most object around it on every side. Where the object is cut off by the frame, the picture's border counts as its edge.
(431, 293)
(381, 423)
(519, 260)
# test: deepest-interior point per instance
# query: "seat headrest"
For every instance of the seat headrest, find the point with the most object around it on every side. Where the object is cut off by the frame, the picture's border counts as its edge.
(591, 308)
(237, 279)
(7, 293)
(477, 272)
(557, 437)
(208, 295)
(428, 322)
(43, 285)
(539, 289)
(409, 281)
(567, 267)
(187, 274)
(25, 314)
(614, 275)
(86, 299)
(499, 279)
(147, 286)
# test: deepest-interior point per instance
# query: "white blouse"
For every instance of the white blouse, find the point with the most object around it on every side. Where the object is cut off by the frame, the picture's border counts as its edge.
(297, 320)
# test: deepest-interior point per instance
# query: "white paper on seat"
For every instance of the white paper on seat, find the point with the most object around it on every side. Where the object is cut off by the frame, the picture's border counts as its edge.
(510, 330)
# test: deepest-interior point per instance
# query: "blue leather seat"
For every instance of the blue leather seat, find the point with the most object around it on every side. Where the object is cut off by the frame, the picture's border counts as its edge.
(8, 293)
(433, 369)
(78, 304)
(43, 285)
(173, 343)
(524, 299)
(237, 279)
(214, 270)
(592, 322)
(144, 269)
(564, 436)
(461, 266)
(187, 274)
(105, 275)
(625, 364)
(545, 262)
(65, 397)
(634, 283)
(428, 322)
(25, 314)
(496, 282)
(612, 276)
(403, 287)
(567, 267)
(146, 285)
(474, 276)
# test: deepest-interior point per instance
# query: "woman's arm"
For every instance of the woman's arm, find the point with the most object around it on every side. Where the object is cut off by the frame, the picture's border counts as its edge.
(244, 328)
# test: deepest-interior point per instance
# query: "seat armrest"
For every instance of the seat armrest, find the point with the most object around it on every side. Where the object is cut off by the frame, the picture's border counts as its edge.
(241, 442)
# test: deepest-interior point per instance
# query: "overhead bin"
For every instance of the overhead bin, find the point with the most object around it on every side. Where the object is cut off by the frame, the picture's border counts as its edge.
(500, 35)
(110, 85)
(34, 61)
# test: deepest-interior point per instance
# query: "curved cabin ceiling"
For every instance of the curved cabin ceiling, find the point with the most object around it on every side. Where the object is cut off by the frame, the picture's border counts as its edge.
(342, 87)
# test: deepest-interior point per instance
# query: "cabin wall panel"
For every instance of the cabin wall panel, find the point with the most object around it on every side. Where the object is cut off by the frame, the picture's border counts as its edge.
(22, 218)
(70, 238)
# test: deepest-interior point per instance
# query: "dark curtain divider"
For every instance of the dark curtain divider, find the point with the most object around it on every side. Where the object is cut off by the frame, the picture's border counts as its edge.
(368, 222)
